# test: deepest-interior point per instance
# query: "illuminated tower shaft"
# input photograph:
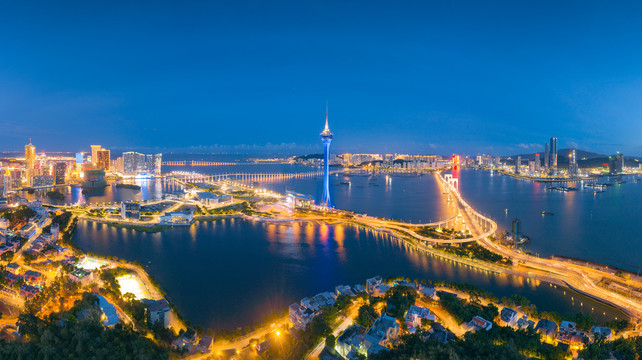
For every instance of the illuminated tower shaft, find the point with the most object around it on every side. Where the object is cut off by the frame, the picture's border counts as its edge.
(326, 139)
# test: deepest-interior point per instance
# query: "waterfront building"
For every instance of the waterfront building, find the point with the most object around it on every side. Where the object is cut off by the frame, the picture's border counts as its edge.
(300, 316)
(531, 167)
(94, 154)
(94, 178)
(130, 210)
(546, 158)
(538, 163)
(159, 311)
(326, 139)
(103, 160)
(176, 218)
(616, 164)
(60, 169)
(573, 168)
(553, 166)
(518, 163)
(136, 163)
(508, 316)
(516, 230)
(479, 323)
(42, 180)
(30, 162)
(546, 328)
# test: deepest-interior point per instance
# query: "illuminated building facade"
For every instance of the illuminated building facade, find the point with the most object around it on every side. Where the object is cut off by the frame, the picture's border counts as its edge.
(94, 154)
(103, 159)
(573, 168)
(30, 159)
(538, 163)
(553, 166)
(60, 170)
(326, 139)
(546, 158)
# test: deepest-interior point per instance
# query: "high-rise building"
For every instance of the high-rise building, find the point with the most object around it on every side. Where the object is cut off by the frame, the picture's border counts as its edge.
(30, 159)
(546, 158)
(518, 163)
(326, 139)
(553, 156)
(59, 173)
(573, 168)
(94, 154)
(156, 168)
(616, 164)
(516, 231)
(129, 163)
(103, 160)
(538, 163)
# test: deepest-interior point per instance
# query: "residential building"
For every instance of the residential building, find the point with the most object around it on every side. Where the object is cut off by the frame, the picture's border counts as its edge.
(12, 268)
(372, 282)
(415, 315)
(344, 289)
(159, 311)
(32, 276)
(600, 331)
(553, 161)
(479, 323)
(546, 328)
(30, 162)
(300, 316)
(352, 342)
(381, 334)
(60, 171)
(103, 161)
(508, 316)
(82, 276)
(205, 344)
(28, 291)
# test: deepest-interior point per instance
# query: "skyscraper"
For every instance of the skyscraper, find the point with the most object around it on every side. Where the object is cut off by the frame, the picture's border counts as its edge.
(554, 156)
(518, 163)
(573, 168)
(59, 173)
(94, 154)
(103, 159)
(538, 163)
(326, 139)
(30, 158)
(546, 158)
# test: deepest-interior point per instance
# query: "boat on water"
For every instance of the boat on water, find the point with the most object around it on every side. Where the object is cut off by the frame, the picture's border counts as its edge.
(128, 186)
(345, 183)
(547, 213)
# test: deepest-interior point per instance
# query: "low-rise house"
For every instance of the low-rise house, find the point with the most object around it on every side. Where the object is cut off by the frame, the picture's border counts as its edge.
(7, 291)
(567, 326)
(508, 316)
(12, 278)
(33, 277)
(28, 292)
(380, 290)
(205, 344)
(381, 334)
(159, 311)
(524, 324)
(300, 316)
(479, 323)
(344, 289)
(372, 283)
(428, 292)
(12, 268)
(415, 315)
(351, 342)
(546, 328)
(600, 331)
(359, 288)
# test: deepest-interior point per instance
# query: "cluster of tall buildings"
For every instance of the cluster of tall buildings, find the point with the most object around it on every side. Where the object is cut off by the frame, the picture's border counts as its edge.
(133, 163)
(40, 170)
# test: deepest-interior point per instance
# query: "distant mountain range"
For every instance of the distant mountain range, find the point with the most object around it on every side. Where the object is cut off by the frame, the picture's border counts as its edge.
(585, 159)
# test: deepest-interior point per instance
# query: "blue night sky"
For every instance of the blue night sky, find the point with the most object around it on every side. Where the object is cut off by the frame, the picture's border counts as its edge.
(399, 76)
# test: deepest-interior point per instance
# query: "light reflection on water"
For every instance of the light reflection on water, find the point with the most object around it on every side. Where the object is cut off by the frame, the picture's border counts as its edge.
(222, 274)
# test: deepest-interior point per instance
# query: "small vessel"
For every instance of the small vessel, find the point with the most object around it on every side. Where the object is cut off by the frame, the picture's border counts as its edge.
(506, 211)
(547, 213)
(345, 183)
(128, 186)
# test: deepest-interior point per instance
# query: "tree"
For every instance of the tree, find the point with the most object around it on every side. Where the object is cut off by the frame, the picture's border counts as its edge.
(399, 299)
(331, 341)
(366, 316)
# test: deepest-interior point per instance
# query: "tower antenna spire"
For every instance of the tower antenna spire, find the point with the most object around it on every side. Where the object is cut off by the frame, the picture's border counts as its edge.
(326, 117)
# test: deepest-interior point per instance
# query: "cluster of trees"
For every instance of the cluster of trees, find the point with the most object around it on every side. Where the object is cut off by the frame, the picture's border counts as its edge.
(623, 349)
(78, 334)
(475, 251)
(464, 311)
(18, 215)
(501, 343)
(398, 301)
